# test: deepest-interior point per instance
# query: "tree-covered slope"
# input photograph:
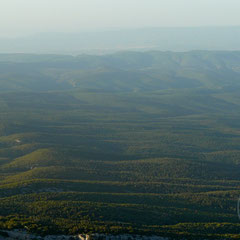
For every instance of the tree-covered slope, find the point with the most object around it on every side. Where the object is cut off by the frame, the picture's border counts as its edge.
(127, 71)
(117, 151)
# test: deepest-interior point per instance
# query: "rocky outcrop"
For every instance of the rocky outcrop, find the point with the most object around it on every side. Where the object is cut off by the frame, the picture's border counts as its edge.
(23, 235)
(124, 237)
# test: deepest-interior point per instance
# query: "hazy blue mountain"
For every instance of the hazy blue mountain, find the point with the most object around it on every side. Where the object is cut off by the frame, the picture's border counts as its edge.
(164, 39)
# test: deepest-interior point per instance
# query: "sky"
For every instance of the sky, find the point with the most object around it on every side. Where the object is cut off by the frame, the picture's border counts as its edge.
(27, 17)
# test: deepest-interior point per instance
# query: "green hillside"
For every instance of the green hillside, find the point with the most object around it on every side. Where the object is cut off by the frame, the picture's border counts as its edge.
(143, 143)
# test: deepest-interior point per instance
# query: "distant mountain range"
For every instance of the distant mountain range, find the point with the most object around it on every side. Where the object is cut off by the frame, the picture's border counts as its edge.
(164, 39)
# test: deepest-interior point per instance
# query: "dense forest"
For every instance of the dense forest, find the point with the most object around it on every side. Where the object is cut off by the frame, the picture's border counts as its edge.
(145, 143)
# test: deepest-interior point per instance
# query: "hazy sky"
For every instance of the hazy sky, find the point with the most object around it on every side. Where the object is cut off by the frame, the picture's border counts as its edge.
(33, 16)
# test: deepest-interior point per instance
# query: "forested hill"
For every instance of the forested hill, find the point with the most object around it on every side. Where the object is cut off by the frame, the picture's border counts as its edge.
(139, 143)
(124, 71)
